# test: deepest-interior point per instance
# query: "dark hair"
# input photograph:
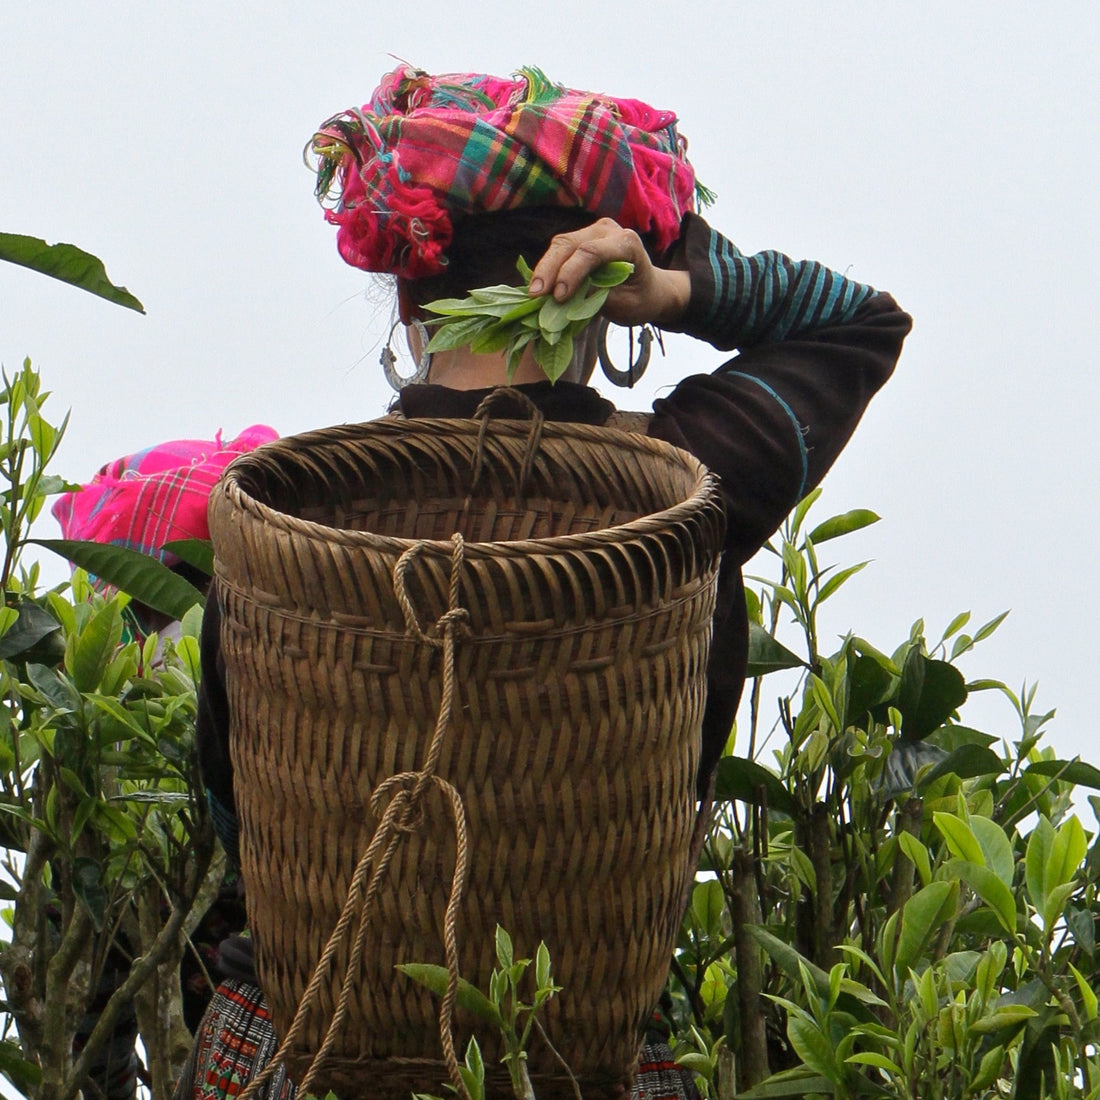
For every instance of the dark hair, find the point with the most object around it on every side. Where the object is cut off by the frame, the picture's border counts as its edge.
(485, 247)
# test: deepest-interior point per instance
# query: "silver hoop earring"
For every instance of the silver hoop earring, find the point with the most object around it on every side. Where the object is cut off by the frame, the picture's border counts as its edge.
(625, 378)
(389, 360)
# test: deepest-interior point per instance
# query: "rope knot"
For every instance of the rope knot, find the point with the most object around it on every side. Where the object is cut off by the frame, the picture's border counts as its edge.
(401, 808)
(456, 620)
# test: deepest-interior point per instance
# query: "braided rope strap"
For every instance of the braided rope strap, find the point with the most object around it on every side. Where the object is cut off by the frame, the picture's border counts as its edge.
(398, 802)
(484, 413)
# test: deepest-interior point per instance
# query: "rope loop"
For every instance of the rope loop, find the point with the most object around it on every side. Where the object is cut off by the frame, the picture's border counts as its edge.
(534, 440)
(455, 619)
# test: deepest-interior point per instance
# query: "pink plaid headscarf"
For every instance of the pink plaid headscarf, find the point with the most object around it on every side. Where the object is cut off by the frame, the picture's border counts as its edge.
(427, 147)
(156, 496)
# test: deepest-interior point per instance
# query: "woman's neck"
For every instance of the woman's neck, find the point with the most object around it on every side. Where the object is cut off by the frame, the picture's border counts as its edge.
(462, 369)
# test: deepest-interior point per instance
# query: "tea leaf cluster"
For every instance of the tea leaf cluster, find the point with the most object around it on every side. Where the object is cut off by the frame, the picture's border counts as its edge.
(509, 319)
(509, 1011)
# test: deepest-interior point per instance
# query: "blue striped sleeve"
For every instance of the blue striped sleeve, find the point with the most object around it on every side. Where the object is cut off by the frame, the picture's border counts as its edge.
(740, 301)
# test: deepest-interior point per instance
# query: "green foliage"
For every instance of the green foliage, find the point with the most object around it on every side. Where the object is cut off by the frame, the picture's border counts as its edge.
(140, 576)
(67, 263)
(508, 319)
(28, 447)
(919, 900)
(503, 1006)
(106, 839)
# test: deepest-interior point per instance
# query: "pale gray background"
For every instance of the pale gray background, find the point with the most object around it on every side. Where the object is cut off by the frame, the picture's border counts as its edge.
(946, 152)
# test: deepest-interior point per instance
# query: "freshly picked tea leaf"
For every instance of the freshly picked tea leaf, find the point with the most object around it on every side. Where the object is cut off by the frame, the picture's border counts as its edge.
(507, 318)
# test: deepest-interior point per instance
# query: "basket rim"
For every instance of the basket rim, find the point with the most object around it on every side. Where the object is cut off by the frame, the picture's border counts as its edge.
(704, 492)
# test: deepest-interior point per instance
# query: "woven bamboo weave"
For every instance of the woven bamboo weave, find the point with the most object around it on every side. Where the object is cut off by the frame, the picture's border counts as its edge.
(589, 592)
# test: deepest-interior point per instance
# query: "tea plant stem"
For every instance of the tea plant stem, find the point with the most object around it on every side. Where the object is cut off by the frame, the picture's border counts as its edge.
(12, 533)
(752, 1066)
(1025, 809)
(207, 897)
(140, 972)
(759, 843)
(56, 1036)
(847, 843)
(561, 1061)
(821, 857)
(170, 1041)
(23, 957)
(521, 1080)
(17, 767)
(943, 941)
(689, 988)
(1065, 1001)
(908, 820)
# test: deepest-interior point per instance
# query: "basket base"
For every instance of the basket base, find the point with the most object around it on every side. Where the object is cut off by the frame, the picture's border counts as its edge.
(399, 1078)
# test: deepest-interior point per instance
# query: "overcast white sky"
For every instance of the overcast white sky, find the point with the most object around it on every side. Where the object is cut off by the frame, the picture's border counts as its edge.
(946, 152)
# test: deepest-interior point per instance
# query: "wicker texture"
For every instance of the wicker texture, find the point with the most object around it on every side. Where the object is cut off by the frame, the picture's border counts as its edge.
(574, 738)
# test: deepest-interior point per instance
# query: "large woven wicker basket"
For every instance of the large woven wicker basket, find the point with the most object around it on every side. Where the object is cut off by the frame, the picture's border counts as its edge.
(573, 742)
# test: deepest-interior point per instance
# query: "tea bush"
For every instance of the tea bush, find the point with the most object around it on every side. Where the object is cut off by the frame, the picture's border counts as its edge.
(108, 851)
(893, 903)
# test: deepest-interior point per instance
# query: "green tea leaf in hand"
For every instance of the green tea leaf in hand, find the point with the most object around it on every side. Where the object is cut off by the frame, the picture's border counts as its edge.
(612, 274)
(555, 358)
(453, 307)
(457, 333)
(554, 316)
(492, 339)
(584, 309)
(516, 349)
(523, 309)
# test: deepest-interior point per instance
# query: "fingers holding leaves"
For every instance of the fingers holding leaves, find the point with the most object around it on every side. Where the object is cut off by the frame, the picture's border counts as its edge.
(650, 295)
(573, 257)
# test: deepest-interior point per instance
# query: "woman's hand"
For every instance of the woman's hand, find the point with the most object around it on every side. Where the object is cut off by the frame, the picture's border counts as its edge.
(651, 295)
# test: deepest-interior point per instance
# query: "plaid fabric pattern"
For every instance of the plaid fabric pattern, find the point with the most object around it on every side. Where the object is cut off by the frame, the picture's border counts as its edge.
(155, 496)
(236, 1040)
(427, 147)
